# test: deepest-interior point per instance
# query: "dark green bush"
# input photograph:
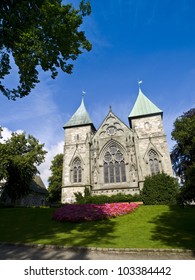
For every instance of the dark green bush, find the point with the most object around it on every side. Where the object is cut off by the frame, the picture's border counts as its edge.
(160, 189)
(101, 199)
(78, 196)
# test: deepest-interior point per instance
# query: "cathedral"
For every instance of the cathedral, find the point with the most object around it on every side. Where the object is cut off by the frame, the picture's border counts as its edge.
(115, 158)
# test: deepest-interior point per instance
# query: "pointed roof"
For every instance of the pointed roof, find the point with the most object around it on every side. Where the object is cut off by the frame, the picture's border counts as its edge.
(37, 185)
(143, 107)
(80, 117)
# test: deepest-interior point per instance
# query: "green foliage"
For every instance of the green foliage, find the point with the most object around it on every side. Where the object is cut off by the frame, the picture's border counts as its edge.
(187, 193)
(183, 153)
(82, 197)
(20, 156)
(101, 199)
(39, 33)
(156, 226)
(55, 180)
(79, 197)
(87, 192)
(160, 189)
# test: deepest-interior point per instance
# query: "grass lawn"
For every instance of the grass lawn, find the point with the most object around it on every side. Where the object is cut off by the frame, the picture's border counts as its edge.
(148, 227)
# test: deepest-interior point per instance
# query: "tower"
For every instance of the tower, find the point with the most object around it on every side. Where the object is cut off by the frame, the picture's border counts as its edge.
(76, 163)
(150, 140)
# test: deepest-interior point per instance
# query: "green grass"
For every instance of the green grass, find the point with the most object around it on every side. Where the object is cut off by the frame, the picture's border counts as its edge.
(148, 227)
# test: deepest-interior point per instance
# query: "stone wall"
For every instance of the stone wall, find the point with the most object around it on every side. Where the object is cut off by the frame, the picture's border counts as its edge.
(68, 193)
(77, 145)
(147, 134)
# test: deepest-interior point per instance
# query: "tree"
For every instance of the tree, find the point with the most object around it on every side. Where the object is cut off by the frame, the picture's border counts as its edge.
(55, 180)
(39, 34)
(160, 189)
(20, 156)
(183, 153)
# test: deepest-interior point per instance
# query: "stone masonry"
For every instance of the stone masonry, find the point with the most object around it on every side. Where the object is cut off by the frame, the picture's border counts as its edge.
(114, 158)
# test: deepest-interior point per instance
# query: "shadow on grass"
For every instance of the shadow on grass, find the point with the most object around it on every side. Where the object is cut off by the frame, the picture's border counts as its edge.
(35, 226)
(176, 228)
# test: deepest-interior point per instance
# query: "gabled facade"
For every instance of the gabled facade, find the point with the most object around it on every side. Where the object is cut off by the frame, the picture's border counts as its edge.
(115, 158)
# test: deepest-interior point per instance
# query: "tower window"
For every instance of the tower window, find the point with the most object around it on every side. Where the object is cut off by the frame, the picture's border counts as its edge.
(153, 162)
(77, 171)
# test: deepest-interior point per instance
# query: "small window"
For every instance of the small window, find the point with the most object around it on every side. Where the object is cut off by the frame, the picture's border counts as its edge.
(111, 172)
(75, 175)
(153, 162)
(123, 171)
(117, 170)
(77, 171)
(106, 172)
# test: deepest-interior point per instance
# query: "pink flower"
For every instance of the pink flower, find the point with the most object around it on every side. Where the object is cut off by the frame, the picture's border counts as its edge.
(91, 212)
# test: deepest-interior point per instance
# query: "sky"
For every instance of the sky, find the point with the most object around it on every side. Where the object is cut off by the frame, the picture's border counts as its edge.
(132, 40)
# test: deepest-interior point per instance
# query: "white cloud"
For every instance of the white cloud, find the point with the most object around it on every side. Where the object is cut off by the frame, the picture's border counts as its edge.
(6, 133)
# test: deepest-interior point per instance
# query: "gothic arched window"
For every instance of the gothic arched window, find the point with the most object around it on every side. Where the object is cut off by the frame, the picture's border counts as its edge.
(114, 166)
(153, 162)
(77, 171)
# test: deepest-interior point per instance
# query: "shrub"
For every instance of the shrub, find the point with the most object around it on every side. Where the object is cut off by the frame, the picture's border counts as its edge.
(160, 189)
(101, 199)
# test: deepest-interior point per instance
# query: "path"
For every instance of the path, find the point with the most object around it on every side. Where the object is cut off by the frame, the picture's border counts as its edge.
(41, 252)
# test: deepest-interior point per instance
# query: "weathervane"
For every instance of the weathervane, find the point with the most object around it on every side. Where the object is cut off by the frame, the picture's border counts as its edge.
(83, 93)
(139, 83)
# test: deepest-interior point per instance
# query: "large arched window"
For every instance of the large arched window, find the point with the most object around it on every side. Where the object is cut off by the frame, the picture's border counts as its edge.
(77, 171)
(114, 166)
(153, 162)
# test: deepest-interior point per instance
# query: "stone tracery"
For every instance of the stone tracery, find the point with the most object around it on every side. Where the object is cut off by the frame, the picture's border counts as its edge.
(114, 166)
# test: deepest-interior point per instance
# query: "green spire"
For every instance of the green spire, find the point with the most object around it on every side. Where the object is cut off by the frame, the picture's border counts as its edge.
(80, 117)
(143, 107)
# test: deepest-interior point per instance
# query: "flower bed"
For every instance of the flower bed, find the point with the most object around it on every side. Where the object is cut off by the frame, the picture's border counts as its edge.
(91, 212)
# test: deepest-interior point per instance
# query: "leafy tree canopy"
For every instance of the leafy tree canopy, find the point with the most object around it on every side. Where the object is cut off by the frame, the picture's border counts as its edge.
(183, 153)
(20, 156)
(55, 180)
(42, 33)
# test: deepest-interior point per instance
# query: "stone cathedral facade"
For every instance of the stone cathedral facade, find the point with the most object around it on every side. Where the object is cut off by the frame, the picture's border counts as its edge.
(115, 158)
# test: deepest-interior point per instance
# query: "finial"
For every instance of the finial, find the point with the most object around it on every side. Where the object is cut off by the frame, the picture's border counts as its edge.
(110, 108)
(139, 83)
(83, 93)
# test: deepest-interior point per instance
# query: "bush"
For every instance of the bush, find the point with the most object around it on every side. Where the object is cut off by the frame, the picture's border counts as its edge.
(101, 199)
(160, 189)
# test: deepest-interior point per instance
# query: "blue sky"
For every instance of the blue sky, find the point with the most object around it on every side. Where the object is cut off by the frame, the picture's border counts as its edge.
(151, 40)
